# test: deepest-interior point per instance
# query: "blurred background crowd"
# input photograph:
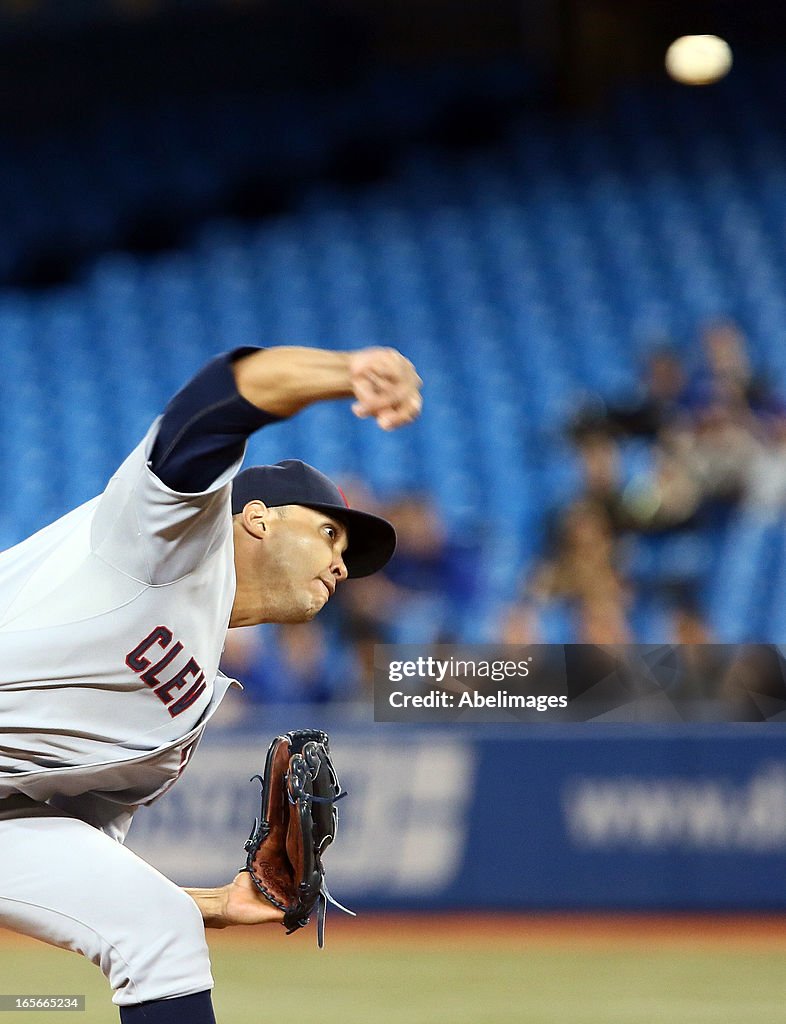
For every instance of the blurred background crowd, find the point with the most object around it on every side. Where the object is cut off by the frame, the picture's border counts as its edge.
(584, 260)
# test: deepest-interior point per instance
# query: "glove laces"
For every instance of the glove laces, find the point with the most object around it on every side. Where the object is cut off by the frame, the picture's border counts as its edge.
(325, 897)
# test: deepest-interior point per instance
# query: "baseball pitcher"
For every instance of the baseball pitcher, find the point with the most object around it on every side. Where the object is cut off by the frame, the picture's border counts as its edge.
(112, 623)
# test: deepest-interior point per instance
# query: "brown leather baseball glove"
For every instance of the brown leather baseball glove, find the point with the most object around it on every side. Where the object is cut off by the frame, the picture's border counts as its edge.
(297, 823)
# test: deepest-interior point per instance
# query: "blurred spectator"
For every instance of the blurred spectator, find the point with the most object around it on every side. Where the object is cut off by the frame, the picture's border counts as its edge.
(244, 653)
(765, 473)
(659, 476)
(660, 400)
(362, 636)
(304, 667)
(436, 576)
(290, 663)
(701, 660)
(599, 454)
(521, 624)
(583, 562)
(726, 377)
(689, 626)
(602, 619)
(583, 572)
(667, 498)
(716, 453)
(426, 589)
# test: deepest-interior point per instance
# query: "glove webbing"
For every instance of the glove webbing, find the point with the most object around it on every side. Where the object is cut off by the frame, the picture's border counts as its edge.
(325, 896)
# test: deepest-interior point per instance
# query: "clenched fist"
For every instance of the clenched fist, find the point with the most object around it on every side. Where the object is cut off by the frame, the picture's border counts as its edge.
(386, 387)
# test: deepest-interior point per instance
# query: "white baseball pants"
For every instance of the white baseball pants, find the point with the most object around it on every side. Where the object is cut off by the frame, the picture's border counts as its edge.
(70, 885)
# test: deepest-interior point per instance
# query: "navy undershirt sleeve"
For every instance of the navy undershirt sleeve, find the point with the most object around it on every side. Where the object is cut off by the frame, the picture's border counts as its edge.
(204, 427)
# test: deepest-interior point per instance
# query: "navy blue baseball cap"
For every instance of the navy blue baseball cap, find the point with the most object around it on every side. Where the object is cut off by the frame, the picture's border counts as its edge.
(372, 540)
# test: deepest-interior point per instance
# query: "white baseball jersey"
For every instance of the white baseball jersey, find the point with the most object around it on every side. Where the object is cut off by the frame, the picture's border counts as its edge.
(112, 624)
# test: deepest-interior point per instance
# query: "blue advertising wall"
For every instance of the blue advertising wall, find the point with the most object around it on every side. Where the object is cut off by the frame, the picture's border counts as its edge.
(590, 816)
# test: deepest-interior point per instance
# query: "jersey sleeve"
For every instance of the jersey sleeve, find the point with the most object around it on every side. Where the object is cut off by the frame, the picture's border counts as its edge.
(204, 428)
(168, 507)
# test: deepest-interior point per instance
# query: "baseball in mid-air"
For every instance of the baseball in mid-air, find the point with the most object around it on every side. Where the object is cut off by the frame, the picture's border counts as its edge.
(698, 60)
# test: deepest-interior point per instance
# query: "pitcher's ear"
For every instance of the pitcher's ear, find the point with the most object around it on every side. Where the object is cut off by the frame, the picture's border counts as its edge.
(254, 517)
